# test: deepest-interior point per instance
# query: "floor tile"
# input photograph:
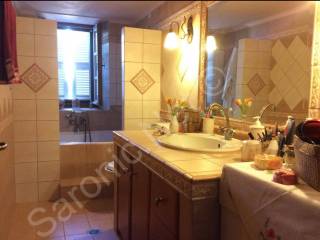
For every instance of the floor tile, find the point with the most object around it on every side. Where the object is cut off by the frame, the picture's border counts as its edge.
(80, 237)
(92, 214)
(106, 235)
(77, 224)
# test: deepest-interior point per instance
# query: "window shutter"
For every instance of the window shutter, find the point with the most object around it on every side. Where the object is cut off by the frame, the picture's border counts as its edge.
(81, 60)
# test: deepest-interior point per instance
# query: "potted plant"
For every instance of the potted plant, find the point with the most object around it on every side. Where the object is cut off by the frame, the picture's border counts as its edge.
(244, 106)
(176, 106)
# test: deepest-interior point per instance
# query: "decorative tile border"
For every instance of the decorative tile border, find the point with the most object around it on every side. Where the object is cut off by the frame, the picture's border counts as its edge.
(142, 81)
(35, 78)
(188, 187)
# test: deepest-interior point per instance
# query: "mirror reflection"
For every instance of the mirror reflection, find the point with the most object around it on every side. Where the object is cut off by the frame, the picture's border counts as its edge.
(260, 54)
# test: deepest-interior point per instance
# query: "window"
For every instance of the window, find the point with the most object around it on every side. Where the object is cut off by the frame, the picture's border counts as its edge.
(75, 54)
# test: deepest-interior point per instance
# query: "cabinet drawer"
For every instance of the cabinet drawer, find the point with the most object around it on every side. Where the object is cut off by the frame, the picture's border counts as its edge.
(164, 204)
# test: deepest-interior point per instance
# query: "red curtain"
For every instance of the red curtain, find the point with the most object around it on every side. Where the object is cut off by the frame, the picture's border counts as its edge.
(8, 46)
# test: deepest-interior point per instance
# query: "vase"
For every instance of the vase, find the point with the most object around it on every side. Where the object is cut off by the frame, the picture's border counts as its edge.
(174, 124)
(208, 125)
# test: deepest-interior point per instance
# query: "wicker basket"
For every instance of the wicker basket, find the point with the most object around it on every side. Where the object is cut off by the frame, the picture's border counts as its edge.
(308, 162)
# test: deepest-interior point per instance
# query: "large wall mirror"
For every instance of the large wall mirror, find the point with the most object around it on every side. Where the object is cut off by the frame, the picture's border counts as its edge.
(260, 50)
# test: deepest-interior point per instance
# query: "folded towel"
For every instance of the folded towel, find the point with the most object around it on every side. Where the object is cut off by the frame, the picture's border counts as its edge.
(8, 46)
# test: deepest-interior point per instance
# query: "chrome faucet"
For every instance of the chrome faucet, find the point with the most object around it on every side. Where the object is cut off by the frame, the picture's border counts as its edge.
(227, 130)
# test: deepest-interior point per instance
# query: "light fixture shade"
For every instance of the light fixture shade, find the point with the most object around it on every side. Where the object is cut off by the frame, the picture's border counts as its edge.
(211, 44)
(171, 41)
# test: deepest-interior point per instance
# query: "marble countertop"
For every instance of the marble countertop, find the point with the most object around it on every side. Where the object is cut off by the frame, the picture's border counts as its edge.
(195, 166)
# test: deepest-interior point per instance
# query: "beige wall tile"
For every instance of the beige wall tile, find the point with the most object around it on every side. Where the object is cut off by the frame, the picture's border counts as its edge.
(45, 46)
(265, 45)
(133, 52)
(24, 63)
(151, 109)
(152, 36)
(25, 44)
(25, 152)
(153, 93)
(264, 60)
(153, 69)
(22, 91)
(24, 110)
(131, 92)
(134, 35)
(25, 131)
(133, 109)
(45, 27)
(292, 98)
(49, 171)
(48, 130)
(26, 172)
(26, 192)
(48, 151)
(133, 124)
(49, 91)
(25, 25)
(49, 65)
(131, 69)
(151, 53)
(148, 122)
(49, 191)
(47, 110)
(248, 44)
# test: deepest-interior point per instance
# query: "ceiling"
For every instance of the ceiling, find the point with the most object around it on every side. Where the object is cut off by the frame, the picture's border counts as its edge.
(87, 12)
(226, 16)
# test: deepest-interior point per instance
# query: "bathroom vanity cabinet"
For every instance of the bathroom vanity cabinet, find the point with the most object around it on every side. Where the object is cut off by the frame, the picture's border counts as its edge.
(157, 202)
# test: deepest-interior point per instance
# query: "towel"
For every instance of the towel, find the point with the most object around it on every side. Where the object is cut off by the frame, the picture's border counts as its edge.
(269, 210)
(230, 78)
(8, 46)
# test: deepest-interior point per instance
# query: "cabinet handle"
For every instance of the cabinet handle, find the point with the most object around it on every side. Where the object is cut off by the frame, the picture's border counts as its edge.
(158, 200)
(3, 146)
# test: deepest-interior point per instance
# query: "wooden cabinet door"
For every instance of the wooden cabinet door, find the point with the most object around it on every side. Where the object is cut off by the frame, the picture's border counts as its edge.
(158, 231)
(140, 202)
(123, 197)
(164, 209)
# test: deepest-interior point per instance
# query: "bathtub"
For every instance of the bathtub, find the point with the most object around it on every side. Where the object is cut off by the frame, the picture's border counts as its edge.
(83, 164)
(79, 137)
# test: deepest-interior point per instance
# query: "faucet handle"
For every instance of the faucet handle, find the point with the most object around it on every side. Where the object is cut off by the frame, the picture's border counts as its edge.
(228, 133)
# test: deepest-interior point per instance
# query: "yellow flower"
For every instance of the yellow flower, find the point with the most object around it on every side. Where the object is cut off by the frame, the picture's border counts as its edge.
(238, 102)
(248, 101)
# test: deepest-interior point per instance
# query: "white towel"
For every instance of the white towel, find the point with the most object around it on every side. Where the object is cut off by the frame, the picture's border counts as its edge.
(230, 78)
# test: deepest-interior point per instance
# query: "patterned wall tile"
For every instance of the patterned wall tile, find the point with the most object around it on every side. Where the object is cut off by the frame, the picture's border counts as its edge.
(35, 78)
(289, 72)
(142, 81)
(256, 84)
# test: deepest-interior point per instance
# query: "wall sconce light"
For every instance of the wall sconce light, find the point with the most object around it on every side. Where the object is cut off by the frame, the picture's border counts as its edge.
(211, 44)
(172, 39)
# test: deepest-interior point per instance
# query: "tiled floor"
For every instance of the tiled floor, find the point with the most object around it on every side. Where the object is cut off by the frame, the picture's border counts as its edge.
(73, 221)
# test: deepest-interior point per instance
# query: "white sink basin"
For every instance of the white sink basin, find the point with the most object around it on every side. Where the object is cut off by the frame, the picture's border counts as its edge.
(199, 142)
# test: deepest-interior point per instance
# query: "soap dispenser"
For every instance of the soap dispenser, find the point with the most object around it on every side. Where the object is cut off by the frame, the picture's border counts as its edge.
(257, 129)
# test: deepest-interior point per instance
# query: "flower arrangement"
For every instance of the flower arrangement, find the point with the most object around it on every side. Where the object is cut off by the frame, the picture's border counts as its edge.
(244, 105)
(176, 105)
